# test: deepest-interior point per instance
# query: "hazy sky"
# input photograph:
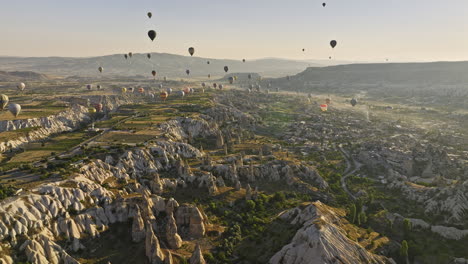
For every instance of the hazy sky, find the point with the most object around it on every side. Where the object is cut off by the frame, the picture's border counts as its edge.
(366, 30)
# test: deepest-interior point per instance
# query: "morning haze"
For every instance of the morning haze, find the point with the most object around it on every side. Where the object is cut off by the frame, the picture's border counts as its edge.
(234, 132)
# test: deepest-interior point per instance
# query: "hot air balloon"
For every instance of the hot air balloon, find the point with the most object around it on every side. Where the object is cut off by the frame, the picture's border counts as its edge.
(209, 76)
(303, 50)
(4, 101)
(100, 69)
(220, 86)
(226, 68)
(131, 89)
(187, 72)
(130, 54)
(98, 107)
(169, 90)
(125, 56)
(214, 85)
(89, 87)
(152, 34)
(124, 90)
(231, 80)
(329, 57)
(163, 96)
(160, 86)
(243, 60)
(149, 14)
(153, 72)
(324, 4)
(148, 55)
(92, 110)
(192, 90)
(328, 101)
(333, 43)
(191, 50)
(249, 76)
(186, 90)
(15, 109)
(235, 77)
(353, 102)
(151, 95)
(99, 87)
(203, 85)
(21, 86)
(208, 62)
(181, 93)
(141, 90)
(324, 107)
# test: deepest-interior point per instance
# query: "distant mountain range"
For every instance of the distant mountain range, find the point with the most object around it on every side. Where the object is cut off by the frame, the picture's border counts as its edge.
(169, 65)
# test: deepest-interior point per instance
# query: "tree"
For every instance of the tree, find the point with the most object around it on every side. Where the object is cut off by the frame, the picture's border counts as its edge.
(407, 226)
(352, 213)
(404, 250)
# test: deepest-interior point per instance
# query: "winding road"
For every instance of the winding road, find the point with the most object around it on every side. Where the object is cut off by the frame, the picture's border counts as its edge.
(351, 167)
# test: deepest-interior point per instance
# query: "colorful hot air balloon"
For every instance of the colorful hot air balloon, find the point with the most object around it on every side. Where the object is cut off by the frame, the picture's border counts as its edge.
(99, 87)
(324, 4)
(124, 90)
(92, 110)
(231, 80)
(125, 56)
(186, 90)
(150, 14)
(153, 72)
(100, 69)
(328, 101)
(98, 107)
(203, 84)
(181, 93)
(163, 96)
(191, 51)
(21, 86)
(243, 60)
(353, 102)
(89, 87)
(15, 109)
(141, 90)
(131, 89)
(249, 76)
(148, 55)
(303, 50)
(130, 54)
(209, 76)
(152, 34)
(226, 68)
(324, 107)
(214, 85)
(208, 62)
(333, 43)
(4, 100)
(168, 90)
(187, 72)
(220, 86)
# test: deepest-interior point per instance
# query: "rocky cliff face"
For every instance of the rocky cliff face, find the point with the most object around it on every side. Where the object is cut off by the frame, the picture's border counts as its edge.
(321, 239)
(67, 120)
